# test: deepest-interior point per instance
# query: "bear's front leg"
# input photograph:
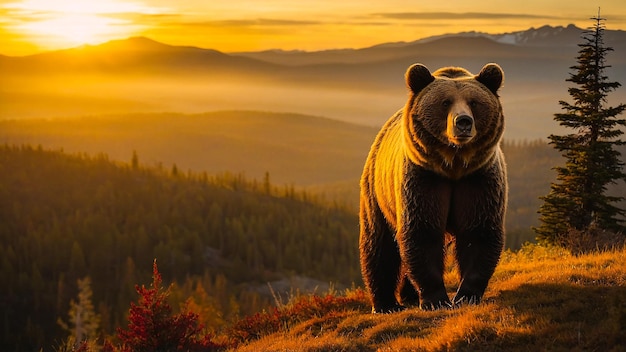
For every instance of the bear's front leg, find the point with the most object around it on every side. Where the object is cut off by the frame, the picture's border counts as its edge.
(477, 222)
(478, 253)
(380, 260)
(420, 234)
(422, 252)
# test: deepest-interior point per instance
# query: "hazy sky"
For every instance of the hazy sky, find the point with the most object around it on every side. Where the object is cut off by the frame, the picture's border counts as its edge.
(30, 26)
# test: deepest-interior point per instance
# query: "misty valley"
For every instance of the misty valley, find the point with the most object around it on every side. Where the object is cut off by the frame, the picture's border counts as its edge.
(362, 86)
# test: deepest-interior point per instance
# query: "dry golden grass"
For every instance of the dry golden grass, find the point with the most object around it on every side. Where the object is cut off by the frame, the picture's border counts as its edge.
(540, 299)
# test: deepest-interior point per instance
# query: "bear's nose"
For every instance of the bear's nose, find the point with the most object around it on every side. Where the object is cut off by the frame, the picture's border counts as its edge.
(464, 123)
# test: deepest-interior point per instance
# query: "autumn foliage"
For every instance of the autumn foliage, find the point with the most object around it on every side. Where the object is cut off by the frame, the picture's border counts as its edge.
(302, 308)
(538, 299)
(152, 326)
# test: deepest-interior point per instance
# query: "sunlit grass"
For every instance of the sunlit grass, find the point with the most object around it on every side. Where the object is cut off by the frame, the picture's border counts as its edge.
(539, 299)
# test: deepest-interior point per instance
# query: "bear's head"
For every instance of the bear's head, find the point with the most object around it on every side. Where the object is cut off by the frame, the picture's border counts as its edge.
(452, 116)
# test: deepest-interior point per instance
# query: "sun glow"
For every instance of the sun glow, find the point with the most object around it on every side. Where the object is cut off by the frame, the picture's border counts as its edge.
(74, 28)
(57, 22)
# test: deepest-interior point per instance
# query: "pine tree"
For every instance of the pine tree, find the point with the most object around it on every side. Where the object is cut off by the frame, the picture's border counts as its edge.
(578, 201)
(84, 323)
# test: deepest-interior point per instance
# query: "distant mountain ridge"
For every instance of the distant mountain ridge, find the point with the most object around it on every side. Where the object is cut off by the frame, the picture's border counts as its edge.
(363, 86)
(135, 55)
(545, 36)
(142, 55)
(145, 54)
(562, 35)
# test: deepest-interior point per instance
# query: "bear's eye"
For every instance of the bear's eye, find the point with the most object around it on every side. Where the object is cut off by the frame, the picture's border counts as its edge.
(446, 103)
(473, 104)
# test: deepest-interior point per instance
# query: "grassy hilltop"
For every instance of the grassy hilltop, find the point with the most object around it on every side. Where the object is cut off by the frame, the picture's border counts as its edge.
(539, 299)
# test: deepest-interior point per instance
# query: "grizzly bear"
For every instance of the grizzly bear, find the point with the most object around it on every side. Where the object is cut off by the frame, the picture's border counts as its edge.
(435, 168)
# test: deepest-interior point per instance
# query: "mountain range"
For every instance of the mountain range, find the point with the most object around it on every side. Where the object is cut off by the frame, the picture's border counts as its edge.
(534, 40)
(363, 86)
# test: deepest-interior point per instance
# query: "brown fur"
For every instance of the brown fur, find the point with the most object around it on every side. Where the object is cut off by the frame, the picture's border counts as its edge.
(435, 167)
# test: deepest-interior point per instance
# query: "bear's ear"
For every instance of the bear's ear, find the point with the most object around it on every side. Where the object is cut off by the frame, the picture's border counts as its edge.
(491, 75)
(418, 77)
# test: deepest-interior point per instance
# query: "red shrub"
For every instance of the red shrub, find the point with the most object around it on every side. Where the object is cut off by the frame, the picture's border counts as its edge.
(301, 309)
(153, 328)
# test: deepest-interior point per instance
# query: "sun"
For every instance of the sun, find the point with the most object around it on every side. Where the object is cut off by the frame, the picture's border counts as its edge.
(73, 28)
(68, 22)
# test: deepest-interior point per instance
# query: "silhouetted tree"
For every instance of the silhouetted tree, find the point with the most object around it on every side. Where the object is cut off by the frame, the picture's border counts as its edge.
(135, 160)
(578, 200)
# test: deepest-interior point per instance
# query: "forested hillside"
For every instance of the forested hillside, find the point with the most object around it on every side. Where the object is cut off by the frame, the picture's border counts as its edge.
(66, 217)
(323, 155)
(293, 148)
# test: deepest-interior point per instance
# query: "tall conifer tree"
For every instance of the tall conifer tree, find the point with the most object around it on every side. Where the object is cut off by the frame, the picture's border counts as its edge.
(578, 199)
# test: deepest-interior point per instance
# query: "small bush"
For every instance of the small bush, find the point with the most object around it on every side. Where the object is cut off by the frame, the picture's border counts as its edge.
(152, 327)
(593, 239)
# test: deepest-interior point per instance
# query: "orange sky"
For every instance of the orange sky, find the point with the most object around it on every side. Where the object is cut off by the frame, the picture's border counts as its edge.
(31, 26)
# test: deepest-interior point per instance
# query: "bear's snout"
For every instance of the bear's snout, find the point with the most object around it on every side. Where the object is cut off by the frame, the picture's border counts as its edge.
(464, 124)
(461, 128)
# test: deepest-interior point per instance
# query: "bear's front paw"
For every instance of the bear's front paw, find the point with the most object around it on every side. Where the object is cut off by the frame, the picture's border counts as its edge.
(386, 310)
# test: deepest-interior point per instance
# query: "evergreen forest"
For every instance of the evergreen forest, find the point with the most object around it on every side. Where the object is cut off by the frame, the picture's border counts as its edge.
(65, 217)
